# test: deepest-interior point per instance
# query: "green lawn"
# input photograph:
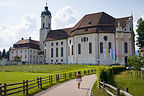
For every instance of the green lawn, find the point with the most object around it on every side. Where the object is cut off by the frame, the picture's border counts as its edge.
(18, 73)
(125, 80)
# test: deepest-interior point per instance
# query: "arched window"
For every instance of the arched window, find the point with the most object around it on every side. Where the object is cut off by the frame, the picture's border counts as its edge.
(43, 25)
(61, 51)
(56, 52)
(51, 52)
(125, 47)
(79, 48)
(72, 50)
(101, 47)
(109, 46)
(90, 48)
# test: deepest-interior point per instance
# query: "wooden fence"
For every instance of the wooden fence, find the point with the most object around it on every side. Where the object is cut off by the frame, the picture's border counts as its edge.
(26, 85)
(108, 87)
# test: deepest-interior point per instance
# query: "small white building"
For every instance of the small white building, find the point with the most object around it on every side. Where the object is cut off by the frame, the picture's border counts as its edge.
(28, 50)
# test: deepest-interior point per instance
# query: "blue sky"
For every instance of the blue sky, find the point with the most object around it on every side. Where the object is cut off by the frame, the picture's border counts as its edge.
(21, 18)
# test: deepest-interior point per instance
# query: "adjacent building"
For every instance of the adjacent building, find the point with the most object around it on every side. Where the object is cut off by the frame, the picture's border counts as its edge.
(28, 50)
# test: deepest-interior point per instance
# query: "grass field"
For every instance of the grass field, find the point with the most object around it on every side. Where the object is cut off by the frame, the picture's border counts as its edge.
(18, 73)
(123, 80)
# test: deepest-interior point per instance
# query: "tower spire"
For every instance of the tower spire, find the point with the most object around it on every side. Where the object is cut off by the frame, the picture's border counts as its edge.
(46, 2)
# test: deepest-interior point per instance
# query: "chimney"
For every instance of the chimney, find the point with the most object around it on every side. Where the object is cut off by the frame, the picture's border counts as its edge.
(29, 38)
(22, 38)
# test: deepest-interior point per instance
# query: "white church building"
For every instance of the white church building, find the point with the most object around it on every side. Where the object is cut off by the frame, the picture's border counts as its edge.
(97, 38)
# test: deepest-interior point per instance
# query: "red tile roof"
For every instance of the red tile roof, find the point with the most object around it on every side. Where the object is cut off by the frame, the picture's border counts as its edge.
(90, 23)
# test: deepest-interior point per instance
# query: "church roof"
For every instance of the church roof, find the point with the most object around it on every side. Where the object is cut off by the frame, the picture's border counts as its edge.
(27, 41)
(91, 23)
(122, 21)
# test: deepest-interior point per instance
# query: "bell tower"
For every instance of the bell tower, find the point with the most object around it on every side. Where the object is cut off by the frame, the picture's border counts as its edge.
(45, 26)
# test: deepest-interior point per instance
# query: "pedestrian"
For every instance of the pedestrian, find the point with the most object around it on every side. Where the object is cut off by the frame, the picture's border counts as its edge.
(79, 79)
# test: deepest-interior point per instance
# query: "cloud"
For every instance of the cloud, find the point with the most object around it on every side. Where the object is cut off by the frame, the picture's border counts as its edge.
(65, 17)
(11, 34)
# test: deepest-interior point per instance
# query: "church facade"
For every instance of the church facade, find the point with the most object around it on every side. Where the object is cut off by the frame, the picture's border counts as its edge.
(96, 39)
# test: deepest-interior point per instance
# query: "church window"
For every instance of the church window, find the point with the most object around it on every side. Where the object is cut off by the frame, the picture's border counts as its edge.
(62, 43)
(79, 48)
(125, 47)
(56, 52)
(84, 39)
(56, 43)
(51, 44)
(25, 56)
(51, 52)
(61, 51)
(21, 51)
(90, 48)
(51, 60)
(56, 60)
(70, 41)
(61, 60)
(49, 26)
(72, 49)
(105, 38)
(109, 46)
(130, 29)
(87, 39)
(12, 51)
(101, 47)
(43, 25)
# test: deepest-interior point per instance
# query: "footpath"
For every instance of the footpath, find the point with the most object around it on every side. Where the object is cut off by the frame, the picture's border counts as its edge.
(69, 88)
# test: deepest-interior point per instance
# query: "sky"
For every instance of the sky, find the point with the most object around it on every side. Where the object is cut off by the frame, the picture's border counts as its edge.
(21, 18)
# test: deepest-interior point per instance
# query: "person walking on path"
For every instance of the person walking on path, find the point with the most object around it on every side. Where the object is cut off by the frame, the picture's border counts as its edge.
(79, 79)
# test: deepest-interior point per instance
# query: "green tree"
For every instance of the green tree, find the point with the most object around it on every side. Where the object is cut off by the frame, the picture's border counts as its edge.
(140, 33)
(137, 62)
(0, 55)
(3, 53)
(17, 59)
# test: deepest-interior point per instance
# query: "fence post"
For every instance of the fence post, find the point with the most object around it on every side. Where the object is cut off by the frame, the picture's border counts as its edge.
(118, 92)
(88, 71)
(38, 82)
(0, 89)
(126, 89)
(75, 73)
(58, 77)
(51, 79)
(99, 84)
(26, 87)
(84, 71)
(5, 90)
(103, 85)
(23, 86)
(65, 76)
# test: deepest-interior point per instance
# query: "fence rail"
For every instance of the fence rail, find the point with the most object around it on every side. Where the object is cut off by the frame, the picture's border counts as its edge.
(105, 87)
(26, 85)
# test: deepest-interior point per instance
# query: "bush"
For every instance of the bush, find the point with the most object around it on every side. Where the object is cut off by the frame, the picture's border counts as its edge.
(105, 73)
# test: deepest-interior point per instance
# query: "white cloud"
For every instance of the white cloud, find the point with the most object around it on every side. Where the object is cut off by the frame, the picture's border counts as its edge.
(65, 17)
(11, 34)
(28, 27)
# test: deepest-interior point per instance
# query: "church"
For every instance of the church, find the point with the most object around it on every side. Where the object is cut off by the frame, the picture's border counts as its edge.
(98, 38)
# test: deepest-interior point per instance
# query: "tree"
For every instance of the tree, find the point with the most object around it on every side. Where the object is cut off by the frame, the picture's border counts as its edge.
(140, 33)
(3, 53)
(17, 59)
(137, 62)
(0, 55)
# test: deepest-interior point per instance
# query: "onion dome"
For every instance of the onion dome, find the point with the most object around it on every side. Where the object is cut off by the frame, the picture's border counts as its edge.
(46, 12)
